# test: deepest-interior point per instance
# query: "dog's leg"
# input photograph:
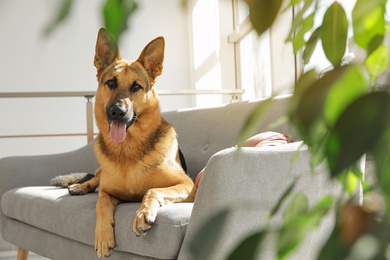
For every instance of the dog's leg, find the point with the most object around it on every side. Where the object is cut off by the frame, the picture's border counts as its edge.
(154, 199)
(86, 187)
(104, 231)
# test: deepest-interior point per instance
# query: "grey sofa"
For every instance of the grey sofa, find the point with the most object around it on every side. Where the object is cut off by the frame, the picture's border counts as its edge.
(51, 223)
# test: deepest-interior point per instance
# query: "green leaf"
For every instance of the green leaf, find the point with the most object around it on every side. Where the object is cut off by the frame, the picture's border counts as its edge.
(253, 121)
(284, 196)
(262, 13)
(357, 130)
(61, 15)
(306, 110)
(351, 85)
(349, 180)
(299, 39)
(377, 62)
(113, 17)
(334, 248)
(313, 99)
(334, 33)
(307, 105)
(208, 235)
(311, 45)
(368, 22)
(295, 230)
(305, 81)
(323, 206)
(116, 14)
(248, 248)
(375, 42)
(298, 19)
(382, 164)
(297, 206)
(295, 2)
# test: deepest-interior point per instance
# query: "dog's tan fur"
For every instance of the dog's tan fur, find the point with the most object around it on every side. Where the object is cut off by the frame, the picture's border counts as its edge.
(146, 165)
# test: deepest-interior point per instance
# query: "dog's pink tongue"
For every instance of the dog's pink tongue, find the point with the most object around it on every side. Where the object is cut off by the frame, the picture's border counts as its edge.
(118, 131)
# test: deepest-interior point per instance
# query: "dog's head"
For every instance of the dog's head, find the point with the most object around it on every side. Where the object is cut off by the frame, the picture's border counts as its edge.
(126, 89)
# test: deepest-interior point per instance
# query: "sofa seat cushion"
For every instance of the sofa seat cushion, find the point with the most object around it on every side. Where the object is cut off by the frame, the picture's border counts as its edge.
(54, 210)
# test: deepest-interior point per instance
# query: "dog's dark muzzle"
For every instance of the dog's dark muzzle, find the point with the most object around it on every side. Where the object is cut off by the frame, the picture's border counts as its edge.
(117, 113)
(121, 113)
(120, 117)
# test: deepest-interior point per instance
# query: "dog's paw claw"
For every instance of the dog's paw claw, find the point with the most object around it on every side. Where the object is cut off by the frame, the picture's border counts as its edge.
(104, 242)
(143, 222)
(104, 252)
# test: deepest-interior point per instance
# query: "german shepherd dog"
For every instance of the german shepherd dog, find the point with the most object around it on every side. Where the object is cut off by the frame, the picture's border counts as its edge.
(137, 150)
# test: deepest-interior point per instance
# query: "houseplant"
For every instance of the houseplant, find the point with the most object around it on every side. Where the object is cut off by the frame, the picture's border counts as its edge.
(341, 116)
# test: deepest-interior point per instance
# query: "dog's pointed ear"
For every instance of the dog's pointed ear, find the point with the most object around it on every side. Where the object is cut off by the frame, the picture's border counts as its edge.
(106, 50)
(152, 57)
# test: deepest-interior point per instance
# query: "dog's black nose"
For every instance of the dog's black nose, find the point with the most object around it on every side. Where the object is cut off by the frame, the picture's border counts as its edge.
(117, 112)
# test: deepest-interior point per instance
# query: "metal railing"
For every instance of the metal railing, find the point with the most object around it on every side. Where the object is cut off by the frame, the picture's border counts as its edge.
(89, 95)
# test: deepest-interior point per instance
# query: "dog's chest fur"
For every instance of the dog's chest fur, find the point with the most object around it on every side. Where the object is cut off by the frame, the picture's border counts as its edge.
(129, 168)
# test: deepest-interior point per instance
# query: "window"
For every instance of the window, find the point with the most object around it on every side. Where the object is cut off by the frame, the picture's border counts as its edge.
(253, 63)
(266, 64)
(228, 54)
(213, 55)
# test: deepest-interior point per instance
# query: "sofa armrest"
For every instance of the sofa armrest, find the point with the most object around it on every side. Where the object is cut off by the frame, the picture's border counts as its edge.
(20, 171)
(249, 185)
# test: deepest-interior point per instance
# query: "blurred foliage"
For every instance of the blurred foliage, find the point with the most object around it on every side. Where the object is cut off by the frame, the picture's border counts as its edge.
(209, 235)
(115, 15)
(62, 13)
(341, 115)
(267, 10)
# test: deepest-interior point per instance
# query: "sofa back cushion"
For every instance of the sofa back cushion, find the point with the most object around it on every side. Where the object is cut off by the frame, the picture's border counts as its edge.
(203, 132)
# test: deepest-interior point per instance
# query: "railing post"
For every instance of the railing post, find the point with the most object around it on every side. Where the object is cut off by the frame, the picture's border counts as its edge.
(233, 97)
(89, 107)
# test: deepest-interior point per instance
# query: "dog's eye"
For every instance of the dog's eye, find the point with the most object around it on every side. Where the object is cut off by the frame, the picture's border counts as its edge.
(135, 87)
(112, 83)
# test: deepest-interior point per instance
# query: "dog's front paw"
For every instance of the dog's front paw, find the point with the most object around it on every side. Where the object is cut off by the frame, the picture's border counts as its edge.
(77, 189)
(144, 220)
(104, 242)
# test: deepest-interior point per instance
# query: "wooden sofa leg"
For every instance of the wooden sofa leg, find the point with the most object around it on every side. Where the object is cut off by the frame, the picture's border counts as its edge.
(22, 254)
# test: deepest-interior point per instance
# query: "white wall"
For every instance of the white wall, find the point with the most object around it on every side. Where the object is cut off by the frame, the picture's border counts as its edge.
(169, 19)
(30, 62)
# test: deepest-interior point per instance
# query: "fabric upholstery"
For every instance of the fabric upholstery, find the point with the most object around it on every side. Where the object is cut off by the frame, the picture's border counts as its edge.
(54, 210)
(249, 186)
(203, 132)
(21, 171)
(53, 246)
